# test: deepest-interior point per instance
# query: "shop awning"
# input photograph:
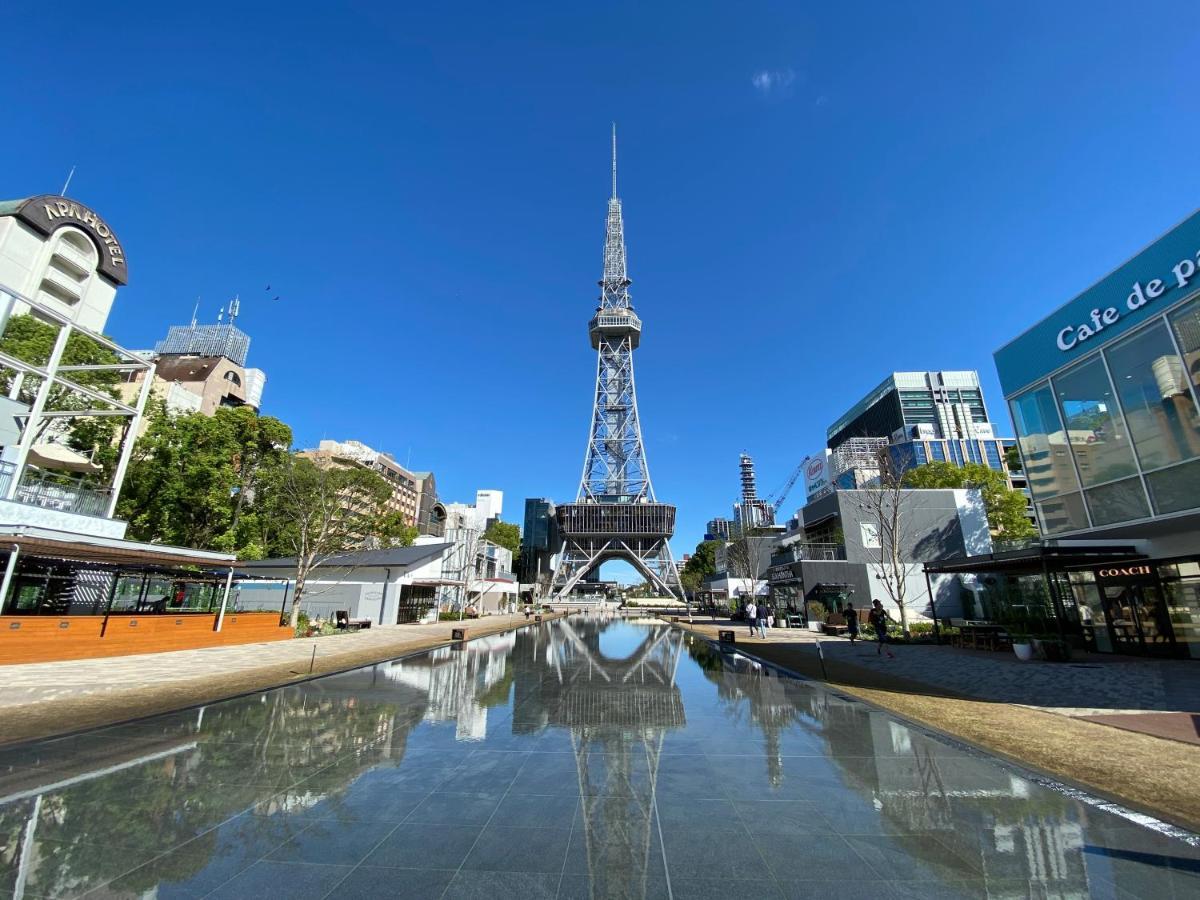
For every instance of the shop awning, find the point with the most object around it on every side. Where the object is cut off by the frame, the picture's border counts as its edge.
(1037, 559)
(84, 548)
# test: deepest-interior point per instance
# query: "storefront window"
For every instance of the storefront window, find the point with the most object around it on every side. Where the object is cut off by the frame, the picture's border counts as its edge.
(1096, 435)
(1154, 394)
(1185, 322)
(1120, 501)
(1043, 444)
(1181, 584)
(1063, 513)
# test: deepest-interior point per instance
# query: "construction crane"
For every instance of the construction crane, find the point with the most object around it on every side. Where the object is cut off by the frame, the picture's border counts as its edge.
(777, 497)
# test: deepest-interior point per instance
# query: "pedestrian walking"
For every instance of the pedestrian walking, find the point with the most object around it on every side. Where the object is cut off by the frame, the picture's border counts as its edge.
(879, 621)
(751, 614)
(762, 620)
(851, 621)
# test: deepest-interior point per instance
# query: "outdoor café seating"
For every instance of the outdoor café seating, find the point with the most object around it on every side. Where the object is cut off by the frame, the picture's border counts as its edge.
(979, 635)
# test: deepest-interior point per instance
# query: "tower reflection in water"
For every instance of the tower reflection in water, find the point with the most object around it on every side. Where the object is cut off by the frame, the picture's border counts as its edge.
(682, 762)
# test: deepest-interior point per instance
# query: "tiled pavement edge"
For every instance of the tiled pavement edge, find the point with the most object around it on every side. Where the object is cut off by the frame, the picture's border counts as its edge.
(42, 699)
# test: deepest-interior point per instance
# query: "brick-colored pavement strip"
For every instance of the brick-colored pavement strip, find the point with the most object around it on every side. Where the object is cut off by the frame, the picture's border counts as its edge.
(948, 690)
(43, 699)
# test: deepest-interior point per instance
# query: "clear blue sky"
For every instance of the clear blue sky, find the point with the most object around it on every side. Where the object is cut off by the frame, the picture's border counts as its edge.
(815, 195)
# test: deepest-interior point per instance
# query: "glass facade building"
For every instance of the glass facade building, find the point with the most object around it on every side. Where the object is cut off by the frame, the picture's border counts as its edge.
(1115, 437)
(1105, 397)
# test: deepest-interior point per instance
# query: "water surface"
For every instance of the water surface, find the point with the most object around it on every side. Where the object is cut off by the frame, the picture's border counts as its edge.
(586, 758)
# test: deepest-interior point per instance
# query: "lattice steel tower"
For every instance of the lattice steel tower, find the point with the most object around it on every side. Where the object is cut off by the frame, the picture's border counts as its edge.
(615, 514)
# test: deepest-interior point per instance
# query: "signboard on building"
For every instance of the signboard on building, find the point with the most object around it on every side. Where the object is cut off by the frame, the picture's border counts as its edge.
(1163, 273)
(816, 476)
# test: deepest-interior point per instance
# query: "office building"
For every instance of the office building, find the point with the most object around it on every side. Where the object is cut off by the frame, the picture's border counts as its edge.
(487, 508)
(948, 404)
(404, 484)
(717, 529)
(540, 542)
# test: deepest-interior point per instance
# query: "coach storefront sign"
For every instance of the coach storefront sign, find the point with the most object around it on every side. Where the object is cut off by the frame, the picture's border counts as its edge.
(1124, 574)
(48, 213)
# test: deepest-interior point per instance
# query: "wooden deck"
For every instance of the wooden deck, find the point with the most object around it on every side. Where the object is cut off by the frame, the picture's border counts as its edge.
(28, 639)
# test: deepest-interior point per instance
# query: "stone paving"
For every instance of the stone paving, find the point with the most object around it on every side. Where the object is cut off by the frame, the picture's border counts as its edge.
(40, 683)
(1091, 685)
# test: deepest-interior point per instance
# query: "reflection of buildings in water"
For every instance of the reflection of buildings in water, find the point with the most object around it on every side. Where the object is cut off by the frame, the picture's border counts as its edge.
(749, 688)
(1025, 834)
(157, 785)
(617, 712)
(461, 682)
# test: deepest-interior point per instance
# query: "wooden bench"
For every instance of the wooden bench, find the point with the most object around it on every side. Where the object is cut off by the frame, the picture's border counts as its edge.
(835, 624)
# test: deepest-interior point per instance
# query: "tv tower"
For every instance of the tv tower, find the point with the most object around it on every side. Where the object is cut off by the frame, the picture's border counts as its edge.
(615, 514)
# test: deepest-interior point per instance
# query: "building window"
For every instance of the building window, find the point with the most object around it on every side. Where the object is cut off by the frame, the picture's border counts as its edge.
(1065, 513)
(1043, 444)
(1095, 433)
(993, 456)
(1156, 398)
(1120, 501)
(232, 376)
(937, 450)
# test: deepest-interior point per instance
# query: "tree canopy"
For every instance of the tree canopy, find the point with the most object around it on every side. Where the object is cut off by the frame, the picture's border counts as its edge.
(504, 534)
(702, 564)
(1005, 507)
(193, 479)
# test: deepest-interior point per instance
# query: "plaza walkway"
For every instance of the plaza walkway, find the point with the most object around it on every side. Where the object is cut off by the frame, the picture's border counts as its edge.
(1092, 684)
(40, 699)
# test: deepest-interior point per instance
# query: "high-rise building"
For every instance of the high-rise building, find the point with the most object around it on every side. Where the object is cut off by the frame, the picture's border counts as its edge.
(539, 541)
(717, 529)
(917, 405)
(750, 511)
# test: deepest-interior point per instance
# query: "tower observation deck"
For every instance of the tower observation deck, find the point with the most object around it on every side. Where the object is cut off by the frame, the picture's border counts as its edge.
(615, 514)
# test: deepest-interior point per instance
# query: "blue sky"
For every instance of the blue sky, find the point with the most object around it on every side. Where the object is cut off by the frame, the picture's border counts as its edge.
(814, 196)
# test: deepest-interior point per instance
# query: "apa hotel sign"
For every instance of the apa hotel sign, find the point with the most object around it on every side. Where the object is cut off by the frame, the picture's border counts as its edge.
(1161, 275)
(48, 213)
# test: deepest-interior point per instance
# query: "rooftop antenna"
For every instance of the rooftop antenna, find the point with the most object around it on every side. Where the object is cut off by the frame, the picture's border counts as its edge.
(235, 306)
(195, 311)
(220, 315)
(614, 124)
(67, 183)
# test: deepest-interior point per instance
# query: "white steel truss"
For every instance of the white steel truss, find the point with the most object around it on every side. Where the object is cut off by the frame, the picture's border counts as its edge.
(615, 473)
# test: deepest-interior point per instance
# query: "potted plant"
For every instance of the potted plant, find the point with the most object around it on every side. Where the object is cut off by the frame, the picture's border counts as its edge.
(1021, 645)
(817, 613)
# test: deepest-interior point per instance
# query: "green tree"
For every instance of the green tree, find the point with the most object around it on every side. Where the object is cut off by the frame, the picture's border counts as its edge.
(1005, 507)
(316, 512)
(194, 480)
(1012, 458)
(701, 565)
(504, 534)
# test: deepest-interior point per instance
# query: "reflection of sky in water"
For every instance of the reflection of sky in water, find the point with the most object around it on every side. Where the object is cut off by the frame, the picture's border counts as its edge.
(583, 758)
(619, 639)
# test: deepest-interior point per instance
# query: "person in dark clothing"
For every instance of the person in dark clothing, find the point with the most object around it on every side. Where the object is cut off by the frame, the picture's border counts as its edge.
(879, 621)
(851, 621)
(760, 619)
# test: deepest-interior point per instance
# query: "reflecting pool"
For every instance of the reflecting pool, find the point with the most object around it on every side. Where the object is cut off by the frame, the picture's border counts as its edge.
(582, 758)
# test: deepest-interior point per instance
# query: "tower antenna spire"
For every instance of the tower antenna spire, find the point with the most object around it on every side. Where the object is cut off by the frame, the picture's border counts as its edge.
(614, 124)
